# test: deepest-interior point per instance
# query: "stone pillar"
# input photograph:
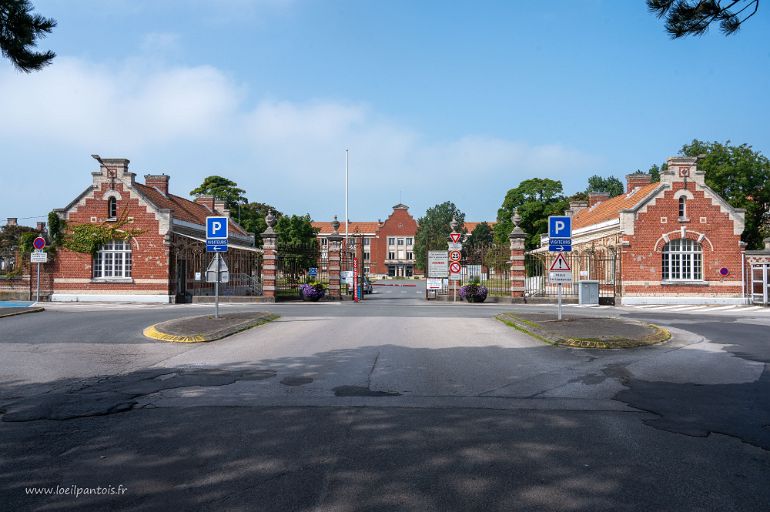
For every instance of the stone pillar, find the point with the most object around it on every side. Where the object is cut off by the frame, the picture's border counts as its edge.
(270, 252)
(334, 252)
(518, 274)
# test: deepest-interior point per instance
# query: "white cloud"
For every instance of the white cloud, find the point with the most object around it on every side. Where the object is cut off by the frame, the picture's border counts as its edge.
(195, 121)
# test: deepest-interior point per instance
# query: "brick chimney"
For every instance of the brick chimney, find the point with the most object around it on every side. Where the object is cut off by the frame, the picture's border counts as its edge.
(220, 208)
(159, 181)
(12, 221)
(636, 180)
(597, 197)
(207, 201)
(576, 206)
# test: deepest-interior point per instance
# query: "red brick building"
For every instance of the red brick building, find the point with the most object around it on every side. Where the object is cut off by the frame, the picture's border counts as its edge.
(675, 241)
(163, 262)
(388, 246)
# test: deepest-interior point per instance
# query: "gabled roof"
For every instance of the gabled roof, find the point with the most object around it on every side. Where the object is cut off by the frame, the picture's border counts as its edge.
(181, 208)
(610, 209)
(325, 228)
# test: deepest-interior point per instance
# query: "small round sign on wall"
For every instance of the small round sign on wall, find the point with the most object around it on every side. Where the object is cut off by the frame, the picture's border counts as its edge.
(724, 272)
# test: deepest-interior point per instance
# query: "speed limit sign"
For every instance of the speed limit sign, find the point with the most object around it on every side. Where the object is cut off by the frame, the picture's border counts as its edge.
(455, 256)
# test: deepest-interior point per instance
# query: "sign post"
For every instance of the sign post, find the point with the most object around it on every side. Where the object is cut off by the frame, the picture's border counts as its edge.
(455, 268)
(38, 256)
(560, 241)
(217, 234)
(216, 273)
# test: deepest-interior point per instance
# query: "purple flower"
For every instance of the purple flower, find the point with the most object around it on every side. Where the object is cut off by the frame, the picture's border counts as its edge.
(312, 291)
(473, 293)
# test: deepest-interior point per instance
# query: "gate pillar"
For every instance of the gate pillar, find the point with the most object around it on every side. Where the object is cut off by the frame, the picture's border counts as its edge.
(518, 275)
(335, 250)
(269, 255)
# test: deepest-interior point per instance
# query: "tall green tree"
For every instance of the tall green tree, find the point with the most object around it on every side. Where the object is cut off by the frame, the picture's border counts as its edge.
(694, 17)
(433, 230)
(536, 199)
(481, 235)
(611, 185)
(252, 217)
(223, 189)
(20, 30)
(297, 243)
(742, 177)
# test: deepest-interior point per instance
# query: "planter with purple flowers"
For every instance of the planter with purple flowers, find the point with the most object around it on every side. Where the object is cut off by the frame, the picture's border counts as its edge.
(473, 292)
(312, 292)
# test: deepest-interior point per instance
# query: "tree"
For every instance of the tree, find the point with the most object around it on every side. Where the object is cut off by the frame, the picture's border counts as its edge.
(252, 217)
(19, 32)
(742, 177)
(223, 189)
(481, 235)
(536, 199)
(654, 172)
(693, 17)
(297, 243)
(433, 230)
(611, 185)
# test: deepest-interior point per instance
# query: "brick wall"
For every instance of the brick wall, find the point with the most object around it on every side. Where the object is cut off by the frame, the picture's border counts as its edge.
(707, 223)
(73, 272)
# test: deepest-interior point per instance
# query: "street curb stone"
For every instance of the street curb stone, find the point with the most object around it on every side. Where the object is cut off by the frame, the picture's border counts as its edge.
(188, 329)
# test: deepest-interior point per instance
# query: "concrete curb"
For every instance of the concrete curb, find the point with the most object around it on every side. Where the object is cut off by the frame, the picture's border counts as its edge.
(535, 330)
(23, 311)
(155, 331)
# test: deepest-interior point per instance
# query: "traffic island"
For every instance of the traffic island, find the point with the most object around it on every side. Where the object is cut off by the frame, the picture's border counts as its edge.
(197, 329)
(19, 311)
(586, 332)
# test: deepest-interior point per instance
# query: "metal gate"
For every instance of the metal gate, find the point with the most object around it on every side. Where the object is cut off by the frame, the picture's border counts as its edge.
(602, 265)
(293, 265)
(760, 283)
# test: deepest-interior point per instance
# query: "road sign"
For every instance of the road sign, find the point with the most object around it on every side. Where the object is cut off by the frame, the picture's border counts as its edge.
(211, 271)
(39, 243)
(559, 233)
(560, 264)
(455, 255)
(438, 264)
(433, 284)
(312, 271)
(455, 246)
(560, 276)
(39, 257)
(455, 237)
(455, 267)
(217, 232)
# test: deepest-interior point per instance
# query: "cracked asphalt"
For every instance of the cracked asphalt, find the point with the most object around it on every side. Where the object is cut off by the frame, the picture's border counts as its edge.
(389, 405)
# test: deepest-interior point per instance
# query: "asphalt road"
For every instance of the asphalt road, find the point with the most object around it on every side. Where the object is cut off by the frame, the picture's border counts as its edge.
(391, 404)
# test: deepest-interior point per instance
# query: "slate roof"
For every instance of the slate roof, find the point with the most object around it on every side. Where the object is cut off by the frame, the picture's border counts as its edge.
(610, 209)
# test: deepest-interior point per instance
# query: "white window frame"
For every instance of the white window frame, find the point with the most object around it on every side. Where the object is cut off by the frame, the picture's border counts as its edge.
(682, 260)
(113, 261)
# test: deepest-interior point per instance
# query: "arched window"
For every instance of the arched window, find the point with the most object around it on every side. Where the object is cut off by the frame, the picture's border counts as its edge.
(113, 260)
(682, 260)
(682, 207)
(112, 208)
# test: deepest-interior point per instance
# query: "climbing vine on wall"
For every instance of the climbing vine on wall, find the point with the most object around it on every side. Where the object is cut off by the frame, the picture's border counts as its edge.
(88, 238)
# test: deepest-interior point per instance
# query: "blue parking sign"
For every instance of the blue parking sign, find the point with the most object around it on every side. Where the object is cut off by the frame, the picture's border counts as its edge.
(217, 232)
(559, 233)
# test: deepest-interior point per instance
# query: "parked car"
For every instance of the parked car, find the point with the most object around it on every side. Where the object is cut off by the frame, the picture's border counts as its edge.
(367, 287)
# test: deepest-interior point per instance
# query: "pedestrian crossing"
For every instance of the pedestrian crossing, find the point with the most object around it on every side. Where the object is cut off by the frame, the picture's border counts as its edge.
(685, 308)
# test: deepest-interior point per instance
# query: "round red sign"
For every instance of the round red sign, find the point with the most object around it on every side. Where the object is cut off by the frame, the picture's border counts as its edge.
(455, 267)
(455, 255)
(39, 243)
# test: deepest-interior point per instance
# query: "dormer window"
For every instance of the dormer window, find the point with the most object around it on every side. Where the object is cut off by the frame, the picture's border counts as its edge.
(112, 208)
(682, 208)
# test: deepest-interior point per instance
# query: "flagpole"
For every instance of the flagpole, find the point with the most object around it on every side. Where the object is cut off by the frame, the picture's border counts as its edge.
(346, 199)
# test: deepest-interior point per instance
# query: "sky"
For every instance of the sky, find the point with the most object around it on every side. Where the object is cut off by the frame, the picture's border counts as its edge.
(434, 100)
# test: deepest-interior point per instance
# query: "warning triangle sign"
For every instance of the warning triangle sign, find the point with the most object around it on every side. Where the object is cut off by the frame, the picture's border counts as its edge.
(560, 263)
(455, 237)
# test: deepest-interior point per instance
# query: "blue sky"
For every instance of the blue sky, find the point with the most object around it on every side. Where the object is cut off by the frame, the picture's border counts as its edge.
(435, 100)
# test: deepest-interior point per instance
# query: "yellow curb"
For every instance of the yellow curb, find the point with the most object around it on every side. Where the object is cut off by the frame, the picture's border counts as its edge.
(152, 332)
